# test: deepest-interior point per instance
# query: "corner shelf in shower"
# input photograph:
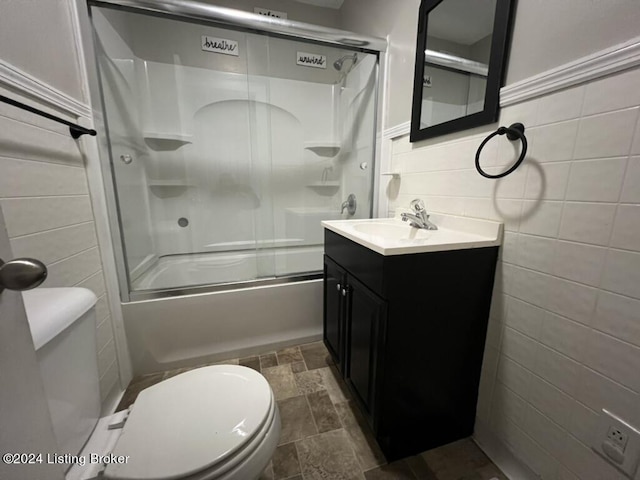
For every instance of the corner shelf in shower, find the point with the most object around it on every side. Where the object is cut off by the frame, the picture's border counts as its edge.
(323, 149)
(391, 174)
(162, 141)
(324, 188)
(168, 188)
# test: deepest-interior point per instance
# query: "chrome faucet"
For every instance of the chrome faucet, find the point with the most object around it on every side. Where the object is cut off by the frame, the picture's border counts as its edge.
(350, 204)
(421, 218)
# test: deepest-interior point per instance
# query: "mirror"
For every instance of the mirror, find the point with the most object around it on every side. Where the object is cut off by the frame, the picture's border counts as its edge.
(460, 54)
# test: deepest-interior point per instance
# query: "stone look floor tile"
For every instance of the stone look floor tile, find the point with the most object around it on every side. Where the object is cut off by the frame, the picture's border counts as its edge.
(289, 355)
(268, 360)
(282, 381)
(489, 472)
(420, 468)
(136, 386)
(297, 420)
(393, 471)
(309, 381)
(285, 461)
(366, 449)
(316, 355)
(324, 435)
(323, 411)
(328, 456)
(251, 362)
(336, 388)
(298, 367)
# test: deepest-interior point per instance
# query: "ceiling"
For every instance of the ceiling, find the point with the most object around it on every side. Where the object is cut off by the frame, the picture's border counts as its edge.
(323, 3)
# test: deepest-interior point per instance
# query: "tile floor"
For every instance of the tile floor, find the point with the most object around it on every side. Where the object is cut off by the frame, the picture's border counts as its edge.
(323, 434)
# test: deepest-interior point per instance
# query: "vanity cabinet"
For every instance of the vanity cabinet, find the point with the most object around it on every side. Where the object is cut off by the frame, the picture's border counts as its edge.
(407, 334)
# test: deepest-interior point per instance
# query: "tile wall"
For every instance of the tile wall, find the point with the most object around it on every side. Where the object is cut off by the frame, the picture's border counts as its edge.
(564, 334)
(45, 200)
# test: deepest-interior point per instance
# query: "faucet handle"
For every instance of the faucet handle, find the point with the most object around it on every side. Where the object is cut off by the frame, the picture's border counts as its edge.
(417, 205)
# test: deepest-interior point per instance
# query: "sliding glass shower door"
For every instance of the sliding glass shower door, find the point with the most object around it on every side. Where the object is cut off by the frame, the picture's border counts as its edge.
(228, 148)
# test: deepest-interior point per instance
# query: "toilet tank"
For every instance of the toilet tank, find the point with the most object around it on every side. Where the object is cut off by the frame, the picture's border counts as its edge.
(63, 327)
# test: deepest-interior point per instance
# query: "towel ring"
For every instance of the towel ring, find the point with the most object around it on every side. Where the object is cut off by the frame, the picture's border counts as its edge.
(514, 132)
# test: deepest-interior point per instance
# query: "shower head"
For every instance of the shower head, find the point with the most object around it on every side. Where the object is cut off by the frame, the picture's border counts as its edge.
(338, 63)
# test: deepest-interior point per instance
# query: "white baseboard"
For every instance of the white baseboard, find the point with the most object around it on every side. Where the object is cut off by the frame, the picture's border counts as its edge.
(499, 454)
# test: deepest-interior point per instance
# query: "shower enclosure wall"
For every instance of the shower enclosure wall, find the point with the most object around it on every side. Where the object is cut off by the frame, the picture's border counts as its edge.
(227, 148)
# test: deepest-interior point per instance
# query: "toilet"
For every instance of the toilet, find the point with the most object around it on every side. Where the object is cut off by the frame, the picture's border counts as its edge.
(216, 422)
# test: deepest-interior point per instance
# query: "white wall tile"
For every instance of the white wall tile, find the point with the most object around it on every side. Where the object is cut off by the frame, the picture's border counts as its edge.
(606, 135)
(525, 318)
(631, 188)
(547, 181)
(557, 369)
(95, 283)
(108, 380)
(596, 180)
(579, 262)
(26, 142)
(598, 392)
(587, 222)
(626, 229)
(514, 376)
(53, 245)
(614, 359)
(550, 400)
(564, 335)
(553, 143)
(570, 263)
(544, 431)
(541, 218)
(570, 299)
(612, 93)
(24, 178)
(104, 335)
(584, 423)
(73, 270)
(519, 348)
(536, 253)
(106, 356)
(618, 316)
(586, 464)
(563, 105)
(30, 215)
(622, 273)
(507, 404)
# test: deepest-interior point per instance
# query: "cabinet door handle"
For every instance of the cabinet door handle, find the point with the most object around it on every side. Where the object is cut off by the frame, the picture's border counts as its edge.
(344, 292)
(338, 287)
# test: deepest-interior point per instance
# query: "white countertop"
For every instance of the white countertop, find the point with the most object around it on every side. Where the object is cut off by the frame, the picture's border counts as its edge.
(392, 236)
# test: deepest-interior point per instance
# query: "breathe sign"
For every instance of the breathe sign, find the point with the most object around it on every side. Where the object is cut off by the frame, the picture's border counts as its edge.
(219, 45)
(311, 60)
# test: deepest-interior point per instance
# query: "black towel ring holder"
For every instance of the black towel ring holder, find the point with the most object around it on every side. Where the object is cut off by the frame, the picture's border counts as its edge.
(514, 132)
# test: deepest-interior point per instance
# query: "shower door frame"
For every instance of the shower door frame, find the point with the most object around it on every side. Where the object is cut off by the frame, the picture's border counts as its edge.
(222, 18)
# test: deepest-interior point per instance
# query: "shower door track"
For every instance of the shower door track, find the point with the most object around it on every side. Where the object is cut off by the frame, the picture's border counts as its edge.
(239, 18)
(221, 287)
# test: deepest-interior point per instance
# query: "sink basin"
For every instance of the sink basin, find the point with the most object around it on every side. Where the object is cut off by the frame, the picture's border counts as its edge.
(392, 236)
(391, 231)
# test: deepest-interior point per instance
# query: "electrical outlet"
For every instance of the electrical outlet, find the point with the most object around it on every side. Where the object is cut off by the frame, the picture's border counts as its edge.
(617, 442)
(617, 437)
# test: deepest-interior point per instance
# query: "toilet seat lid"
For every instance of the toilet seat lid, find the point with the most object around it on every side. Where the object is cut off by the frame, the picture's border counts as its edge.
(190, 422)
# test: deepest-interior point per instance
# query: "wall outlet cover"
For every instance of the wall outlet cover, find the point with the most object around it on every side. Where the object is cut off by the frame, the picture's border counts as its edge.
(617, 442)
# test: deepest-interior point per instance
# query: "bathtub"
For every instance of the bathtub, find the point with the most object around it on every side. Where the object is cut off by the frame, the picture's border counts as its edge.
(188, 329)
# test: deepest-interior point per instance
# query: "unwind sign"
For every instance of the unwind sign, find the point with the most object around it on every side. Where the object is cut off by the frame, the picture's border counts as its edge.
(219, 45)
(311, 60)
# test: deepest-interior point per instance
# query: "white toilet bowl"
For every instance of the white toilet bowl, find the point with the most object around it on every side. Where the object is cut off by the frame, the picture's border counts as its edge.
(217, 422)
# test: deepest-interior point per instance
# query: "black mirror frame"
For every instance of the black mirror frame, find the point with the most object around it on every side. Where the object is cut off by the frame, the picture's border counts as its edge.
(497, 60)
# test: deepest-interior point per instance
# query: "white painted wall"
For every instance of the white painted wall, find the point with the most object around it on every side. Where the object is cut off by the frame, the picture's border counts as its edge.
(546, 34)
(328, 17)
(37, 37)
(43, 181)
(398, 22)
(564, 337)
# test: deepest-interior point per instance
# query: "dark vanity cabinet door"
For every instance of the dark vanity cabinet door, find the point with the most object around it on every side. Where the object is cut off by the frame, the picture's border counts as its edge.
(334, 306)
(365, 322)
